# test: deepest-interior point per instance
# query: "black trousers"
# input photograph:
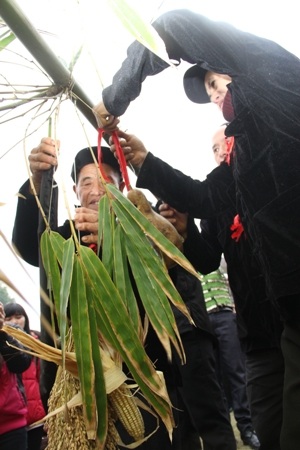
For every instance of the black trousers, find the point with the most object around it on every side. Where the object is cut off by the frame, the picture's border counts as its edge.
(202, 394)
(34, 437)
(14, 440)
(290, 344)
(265, 374)
(231, 365)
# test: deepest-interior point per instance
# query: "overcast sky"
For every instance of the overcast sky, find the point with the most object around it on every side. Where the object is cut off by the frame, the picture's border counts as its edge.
(153, 116)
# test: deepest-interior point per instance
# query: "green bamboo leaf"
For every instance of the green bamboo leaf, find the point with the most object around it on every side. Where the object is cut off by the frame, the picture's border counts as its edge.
(66, 279)
(75, 59)
(49, 257)
(148, 255)
(141, 30)
(148, 384)
(82, 340)
(138, 364)
(114, 322)
(151, 302)
(155, 301)
(57, 242)
(154, 234)
(100, 387)
(5, 41)
(106, 223)
(122, 280)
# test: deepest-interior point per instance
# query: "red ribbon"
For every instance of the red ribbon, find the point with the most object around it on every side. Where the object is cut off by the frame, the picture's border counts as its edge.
(94, 247)
(120, 155)
(229, 143)
(237, 228)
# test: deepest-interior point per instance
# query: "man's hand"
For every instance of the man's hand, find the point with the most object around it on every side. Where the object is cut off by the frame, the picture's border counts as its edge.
(177, 219)
(104, 119)
(86, 219)
(42, 158)
(133, 149)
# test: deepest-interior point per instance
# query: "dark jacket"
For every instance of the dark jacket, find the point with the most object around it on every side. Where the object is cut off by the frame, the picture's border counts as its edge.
(13, 405)
(258, 320)
(259, 323)
(265, 94)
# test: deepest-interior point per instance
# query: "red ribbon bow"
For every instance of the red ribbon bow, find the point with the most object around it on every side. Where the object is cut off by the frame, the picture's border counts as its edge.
(237, 228)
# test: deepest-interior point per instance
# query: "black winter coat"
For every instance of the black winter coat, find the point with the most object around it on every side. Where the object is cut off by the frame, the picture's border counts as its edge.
(265, 92)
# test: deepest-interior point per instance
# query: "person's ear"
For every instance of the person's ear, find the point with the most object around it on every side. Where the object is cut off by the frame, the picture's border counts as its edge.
(75, 189)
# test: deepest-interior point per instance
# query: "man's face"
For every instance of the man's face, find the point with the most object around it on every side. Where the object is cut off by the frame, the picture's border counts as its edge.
(219, 145)
(216, 87)
(89, 188)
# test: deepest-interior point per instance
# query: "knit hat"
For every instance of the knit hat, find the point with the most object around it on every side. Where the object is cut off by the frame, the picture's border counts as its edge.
(85, 157)
(193, 83)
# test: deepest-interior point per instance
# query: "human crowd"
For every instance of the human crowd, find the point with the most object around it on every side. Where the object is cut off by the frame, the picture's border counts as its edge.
(243, 349)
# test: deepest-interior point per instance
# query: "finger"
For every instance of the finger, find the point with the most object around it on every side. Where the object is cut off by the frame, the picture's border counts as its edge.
(86, 215)
(90, 238)
(123, 134)
(111, 122)
(164, 207)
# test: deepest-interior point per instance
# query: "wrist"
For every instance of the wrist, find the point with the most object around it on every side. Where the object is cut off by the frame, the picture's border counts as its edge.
(36, 184)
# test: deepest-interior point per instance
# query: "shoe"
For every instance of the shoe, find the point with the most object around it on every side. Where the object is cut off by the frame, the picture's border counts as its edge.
(249, 438)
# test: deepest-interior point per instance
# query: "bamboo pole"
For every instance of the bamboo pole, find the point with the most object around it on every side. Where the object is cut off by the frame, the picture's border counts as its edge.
(39, 49)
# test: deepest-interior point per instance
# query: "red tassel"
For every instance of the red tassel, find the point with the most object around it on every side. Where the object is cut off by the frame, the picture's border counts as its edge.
(237, 228)
(94, 248)
(120, 155)
(229, 142)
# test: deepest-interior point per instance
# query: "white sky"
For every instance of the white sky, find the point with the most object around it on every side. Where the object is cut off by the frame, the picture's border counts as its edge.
(169, 124)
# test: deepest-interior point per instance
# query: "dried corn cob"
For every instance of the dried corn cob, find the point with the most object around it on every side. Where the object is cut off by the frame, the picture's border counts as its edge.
(123, 403)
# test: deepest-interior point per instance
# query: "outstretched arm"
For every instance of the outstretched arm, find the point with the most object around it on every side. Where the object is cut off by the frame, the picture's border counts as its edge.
(25, 237)
(187, 36)
(200, 199)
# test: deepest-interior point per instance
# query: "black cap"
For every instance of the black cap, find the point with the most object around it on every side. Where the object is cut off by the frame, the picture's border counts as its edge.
(193, 82)
(85, 157)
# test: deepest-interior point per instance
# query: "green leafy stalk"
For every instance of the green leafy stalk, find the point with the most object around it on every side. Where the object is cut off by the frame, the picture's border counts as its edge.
(141, 30)
(83, 343)
(6, 40)
(66, 279)
(122, 279)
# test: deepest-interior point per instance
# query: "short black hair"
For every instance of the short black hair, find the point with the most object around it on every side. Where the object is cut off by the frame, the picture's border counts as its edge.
(85, 157)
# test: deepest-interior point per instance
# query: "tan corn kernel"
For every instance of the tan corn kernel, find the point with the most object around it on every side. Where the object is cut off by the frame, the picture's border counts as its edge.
(124, 405)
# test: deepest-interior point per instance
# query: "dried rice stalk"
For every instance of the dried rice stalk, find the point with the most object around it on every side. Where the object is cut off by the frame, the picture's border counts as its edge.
(43, 351)
(114, 376)
(65, 421)
(66, 429)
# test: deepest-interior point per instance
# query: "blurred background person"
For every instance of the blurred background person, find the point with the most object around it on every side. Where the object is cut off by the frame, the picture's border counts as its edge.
(16, 315)
(13, 407)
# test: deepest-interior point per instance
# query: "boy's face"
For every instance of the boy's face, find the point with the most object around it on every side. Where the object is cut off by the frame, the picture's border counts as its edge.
(216, 87)
(89, 188)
